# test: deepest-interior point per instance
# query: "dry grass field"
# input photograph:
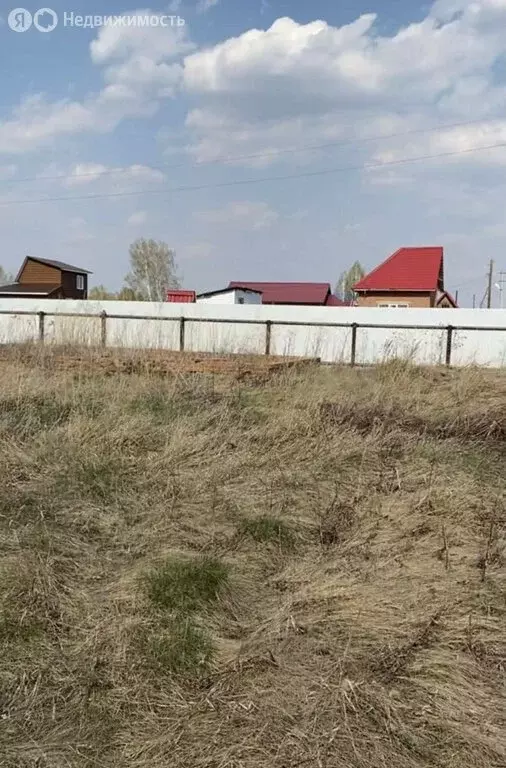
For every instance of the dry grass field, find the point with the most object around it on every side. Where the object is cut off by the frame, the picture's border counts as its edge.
(199, 570)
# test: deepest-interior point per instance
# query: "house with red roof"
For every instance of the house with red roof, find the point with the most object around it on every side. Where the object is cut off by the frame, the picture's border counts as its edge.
(306, 294)
(410, 277)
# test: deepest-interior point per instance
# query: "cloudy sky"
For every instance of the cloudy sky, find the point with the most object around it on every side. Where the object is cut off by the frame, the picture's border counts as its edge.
(264, 139)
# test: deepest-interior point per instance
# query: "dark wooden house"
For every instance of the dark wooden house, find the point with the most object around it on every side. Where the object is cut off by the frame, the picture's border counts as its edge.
(47, 279)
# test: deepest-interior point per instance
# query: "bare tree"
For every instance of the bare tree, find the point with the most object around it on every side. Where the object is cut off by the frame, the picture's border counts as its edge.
(347, 279)
(153, 270)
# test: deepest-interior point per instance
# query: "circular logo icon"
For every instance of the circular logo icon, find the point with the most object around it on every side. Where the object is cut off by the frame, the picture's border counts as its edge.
(20, 20)
(45, 20)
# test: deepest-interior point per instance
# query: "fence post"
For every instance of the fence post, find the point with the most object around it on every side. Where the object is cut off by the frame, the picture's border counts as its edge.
(103, 328)
(182, 323)
(42, 316)
(268, 334)
(354, 327)
(449, 338)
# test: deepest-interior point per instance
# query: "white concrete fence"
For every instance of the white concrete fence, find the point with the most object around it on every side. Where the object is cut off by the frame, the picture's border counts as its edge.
(360, 336)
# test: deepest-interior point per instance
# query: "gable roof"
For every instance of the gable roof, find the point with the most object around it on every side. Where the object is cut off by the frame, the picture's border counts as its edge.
(449, 297)
(408, 269)
(289, 293)
(57, 264)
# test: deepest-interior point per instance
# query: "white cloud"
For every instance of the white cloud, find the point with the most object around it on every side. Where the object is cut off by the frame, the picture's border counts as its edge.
(84, 173)
(157, 43)
(248, 214)
(137, 219)
(121, 178)
(296, 84)
(205, 5)
(140, 67)
(463, 144)
(200, 251)
(7, 172)
(78, 231)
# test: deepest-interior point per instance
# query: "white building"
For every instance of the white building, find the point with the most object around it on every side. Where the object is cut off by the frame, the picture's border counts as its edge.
(230, 296)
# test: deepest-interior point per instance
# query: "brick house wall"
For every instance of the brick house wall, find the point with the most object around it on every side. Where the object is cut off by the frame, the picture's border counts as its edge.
(416, 300)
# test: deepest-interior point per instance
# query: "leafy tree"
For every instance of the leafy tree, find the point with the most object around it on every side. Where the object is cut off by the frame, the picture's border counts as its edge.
(5, 277)
(128, 294)
(347, 279)
(153, 270)
(100, 293)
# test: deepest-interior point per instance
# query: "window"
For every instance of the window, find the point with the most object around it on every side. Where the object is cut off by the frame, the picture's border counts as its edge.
(80, 282)
(240, 301)
(402, 305)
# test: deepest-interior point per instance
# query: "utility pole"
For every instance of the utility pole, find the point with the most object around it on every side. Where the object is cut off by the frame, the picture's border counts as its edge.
(474, 301)
(501, 283)
(490, 279)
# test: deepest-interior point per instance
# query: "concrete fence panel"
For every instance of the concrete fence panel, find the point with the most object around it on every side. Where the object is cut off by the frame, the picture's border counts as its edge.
(361, 336)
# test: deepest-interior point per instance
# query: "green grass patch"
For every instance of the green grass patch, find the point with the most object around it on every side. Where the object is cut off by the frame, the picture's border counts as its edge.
(267, 529)
(162, 406)
(186, 584)
(183, 648)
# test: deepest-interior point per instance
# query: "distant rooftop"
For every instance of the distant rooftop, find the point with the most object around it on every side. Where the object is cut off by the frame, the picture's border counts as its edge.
(291, 293)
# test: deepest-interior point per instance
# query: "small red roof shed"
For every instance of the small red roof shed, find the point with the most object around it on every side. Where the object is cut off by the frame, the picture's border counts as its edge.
(181, 297)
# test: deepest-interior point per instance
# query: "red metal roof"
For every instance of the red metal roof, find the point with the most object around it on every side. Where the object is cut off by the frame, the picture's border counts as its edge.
(184, 297)
(289, 293)
(408, 269)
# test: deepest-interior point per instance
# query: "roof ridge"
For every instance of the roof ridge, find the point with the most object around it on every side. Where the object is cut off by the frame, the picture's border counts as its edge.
(58, 264)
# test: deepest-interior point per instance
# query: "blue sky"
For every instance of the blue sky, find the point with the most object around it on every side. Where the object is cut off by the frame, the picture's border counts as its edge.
(261, 140)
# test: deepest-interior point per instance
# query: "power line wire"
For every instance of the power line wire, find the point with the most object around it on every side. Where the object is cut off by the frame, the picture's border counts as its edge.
(469, 281)
(258, 155)
(246, 182)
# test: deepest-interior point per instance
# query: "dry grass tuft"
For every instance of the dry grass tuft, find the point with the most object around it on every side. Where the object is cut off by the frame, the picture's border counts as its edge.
(234, 571)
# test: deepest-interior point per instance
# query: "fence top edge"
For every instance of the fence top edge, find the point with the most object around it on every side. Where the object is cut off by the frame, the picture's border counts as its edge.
(248, 321)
